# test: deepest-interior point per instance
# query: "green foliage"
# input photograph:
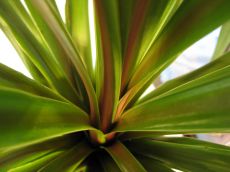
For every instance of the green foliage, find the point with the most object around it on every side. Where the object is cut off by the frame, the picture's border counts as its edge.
(75, 115)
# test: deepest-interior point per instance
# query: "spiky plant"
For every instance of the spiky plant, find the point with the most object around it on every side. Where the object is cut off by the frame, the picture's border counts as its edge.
(77, 115)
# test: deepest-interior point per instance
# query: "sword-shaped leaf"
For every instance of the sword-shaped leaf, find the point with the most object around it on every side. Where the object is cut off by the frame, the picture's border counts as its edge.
(188, 155)
(69, 160)
(223, 44)
(201, 106)
(192, 21)
(218, 64)
(108, 24)
(60, 34)
(12, 79)
(77, 18)
(25, 118)
(124, 159)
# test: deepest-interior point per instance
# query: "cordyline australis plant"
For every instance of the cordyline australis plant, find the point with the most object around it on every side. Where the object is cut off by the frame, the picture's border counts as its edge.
(79, 116)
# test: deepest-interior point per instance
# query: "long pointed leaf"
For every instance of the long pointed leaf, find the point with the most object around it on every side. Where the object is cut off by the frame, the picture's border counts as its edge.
(186, 109)
(37, 164)
(26, 118)
(18, 155)
(171, 42)
(13, 79)
(70, 159)
(124, 159)
(185, 156)
(36, 74)
(35, 50)
(108, 163)
(223, 44)
(213, 66)
(152, 164)
(47, 13)
(147, 22)
(108, 19)
(193, 23)
(78, 26)
(59, 56)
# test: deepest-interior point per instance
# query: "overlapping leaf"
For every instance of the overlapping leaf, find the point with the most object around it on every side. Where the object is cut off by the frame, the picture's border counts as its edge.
(221, 63)
(50, 18)
(34, 49)
(223, 44)
(188, 155)
(183, 24)
(124, 159)
(203, 105)
(12, 79)
(70, 159)
(25, 118)
(108, 25)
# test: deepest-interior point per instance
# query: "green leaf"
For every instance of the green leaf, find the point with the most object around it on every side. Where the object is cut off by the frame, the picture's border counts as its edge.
(59, 60)
(77, 17)
(223, 44)
(139, 134)
(22, 162)
(20, 154)
(198, 156)
(48, 15)
(92, 163)
(147, 21)
(191, 141)
(77, 24)
(194, 21)
(34, 49)
(33, 70)
(171, 42)
(69, 160)
(108, 164)
(25, 118)
(133, 32)
(99, 66)
(37, 164)
(201, 106)
(15, 35)
(159, 14)
(124, 159)
(13, 79)
(108, 19)
(170, 85)
(125, 16)
(152, 164)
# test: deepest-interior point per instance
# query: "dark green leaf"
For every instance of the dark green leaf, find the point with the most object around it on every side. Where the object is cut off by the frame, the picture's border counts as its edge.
(201, 106)
(108, 164)
(60, 34)
(200, 156)
(147, 21)
(152, 164)
(25, 118)
(211, 67)
(37, 164)
(69, 160)
(191, 21)
(108, 19)
(124, 159)
(35, 49)
(18, 155)
(13, 79)
(77, 17)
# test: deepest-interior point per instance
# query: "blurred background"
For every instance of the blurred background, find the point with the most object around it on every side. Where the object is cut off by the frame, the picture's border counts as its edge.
(194, 57)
